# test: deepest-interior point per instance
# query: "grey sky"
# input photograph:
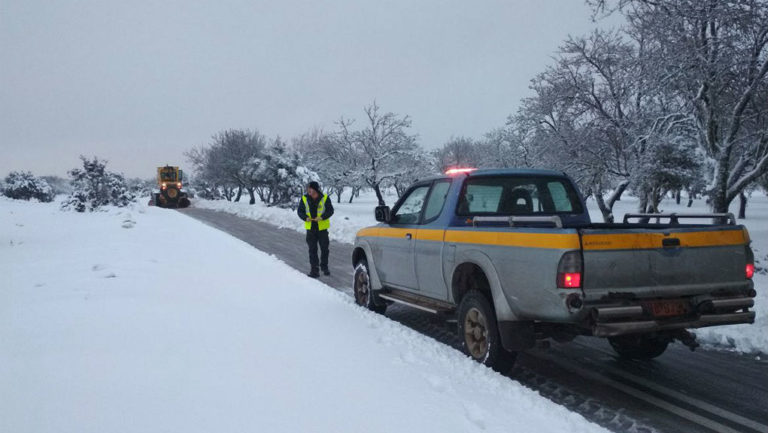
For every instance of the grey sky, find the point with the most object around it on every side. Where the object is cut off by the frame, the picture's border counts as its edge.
(139, 82)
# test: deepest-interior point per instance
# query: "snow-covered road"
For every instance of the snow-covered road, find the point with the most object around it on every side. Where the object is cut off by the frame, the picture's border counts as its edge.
(145, 320)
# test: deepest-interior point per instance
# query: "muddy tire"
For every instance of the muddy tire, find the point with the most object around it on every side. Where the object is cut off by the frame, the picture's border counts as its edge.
(639, 346)
(361, 285)
(479, 333)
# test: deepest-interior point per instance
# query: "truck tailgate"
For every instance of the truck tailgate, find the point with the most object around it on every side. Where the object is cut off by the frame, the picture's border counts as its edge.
(663, 262)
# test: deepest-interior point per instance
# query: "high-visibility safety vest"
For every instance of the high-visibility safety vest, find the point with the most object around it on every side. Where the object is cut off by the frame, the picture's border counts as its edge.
(321, 224)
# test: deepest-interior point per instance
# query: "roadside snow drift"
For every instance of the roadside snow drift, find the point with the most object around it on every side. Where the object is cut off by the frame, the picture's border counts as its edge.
(144, 320)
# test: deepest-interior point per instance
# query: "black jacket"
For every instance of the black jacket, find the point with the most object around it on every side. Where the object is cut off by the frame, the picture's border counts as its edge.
(302, 211)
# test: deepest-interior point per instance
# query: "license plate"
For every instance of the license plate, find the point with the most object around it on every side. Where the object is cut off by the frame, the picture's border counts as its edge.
(668, 308)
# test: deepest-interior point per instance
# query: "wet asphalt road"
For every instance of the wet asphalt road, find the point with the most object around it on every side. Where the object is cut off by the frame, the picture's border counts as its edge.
(680, 391)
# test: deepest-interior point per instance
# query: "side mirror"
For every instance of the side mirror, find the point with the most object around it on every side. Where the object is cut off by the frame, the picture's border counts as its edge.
(382, 214)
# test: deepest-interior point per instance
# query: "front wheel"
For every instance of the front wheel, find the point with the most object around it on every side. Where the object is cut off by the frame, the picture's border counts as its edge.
(479, 333)
(364, 295)
(639, 346)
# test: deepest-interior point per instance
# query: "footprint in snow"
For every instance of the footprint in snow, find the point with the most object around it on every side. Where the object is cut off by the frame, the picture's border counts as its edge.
(98, 267)
(128, 224)
(110, 275)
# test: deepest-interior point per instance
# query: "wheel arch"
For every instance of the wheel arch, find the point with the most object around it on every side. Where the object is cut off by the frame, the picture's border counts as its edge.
(362, 249)
(472, 264)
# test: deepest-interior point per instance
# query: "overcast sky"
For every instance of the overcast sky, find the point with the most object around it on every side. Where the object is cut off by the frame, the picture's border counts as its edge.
(139, 82)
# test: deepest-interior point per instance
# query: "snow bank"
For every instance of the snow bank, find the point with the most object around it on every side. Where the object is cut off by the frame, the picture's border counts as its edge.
(145, 320)
(350, 218)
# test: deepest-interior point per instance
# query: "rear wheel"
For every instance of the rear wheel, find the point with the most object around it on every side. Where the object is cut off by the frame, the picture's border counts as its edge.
(364, 295)
(639, 346)
(479, 333)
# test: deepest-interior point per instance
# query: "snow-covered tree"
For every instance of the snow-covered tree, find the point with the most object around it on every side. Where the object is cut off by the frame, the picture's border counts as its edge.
(222, 162)
(334, 161)
(458, 152)
(422, 165)
(713, 56)
(23, 185)
(666, 167)
(94, 186)
(377, 147)
(278, 176)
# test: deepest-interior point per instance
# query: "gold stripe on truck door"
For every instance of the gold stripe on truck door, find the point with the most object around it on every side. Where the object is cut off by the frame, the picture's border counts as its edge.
(563, 241)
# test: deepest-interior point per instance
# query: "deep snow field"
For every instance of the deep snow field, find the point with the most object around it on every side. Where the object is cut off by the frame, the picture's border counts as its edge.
(349, 218)
(145, 320)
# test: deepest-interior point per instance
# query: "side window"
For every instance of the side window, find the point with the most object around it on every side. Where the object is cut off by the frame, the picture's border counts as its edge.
(436, 200)
(410, 208)
(480, 199)
(559, 197)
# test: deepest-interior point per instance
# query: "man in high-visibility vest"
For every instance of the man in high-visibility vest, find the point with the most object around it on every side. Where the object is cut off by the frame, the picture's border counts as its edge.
(315, 209)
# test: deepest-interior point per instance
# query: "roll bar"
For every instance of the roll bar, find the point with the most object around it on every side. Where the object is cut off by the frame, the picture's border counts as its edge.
(675, 217)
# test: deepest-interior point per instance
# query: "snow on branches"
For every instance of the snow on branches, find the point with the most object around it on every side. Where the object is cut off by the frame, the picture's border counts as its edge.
(23, 185)
(94, 186)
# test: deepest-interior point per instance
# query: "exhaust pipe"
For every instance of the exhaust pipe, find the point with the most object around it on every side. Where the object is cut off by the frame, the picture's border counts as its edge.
(609, 313)
(726, 304)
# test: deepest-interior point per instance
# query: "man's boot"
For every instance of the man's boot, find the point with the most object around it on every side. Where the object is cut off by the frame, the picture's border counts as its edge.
(313, 273)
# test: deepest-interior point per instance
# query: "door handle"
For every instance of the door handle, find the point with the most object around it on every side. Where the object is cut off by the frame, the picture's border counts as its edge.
(408, 236)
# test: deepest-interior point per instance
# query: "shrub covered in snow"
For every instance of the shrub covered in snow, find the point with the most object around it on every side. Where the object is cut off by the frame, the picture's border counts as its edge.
(23, 185)
(94, 187)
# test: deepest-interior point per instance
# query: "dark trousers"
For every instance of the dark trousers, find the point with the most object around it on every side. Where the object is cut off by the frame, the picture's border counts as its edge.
(313, 238)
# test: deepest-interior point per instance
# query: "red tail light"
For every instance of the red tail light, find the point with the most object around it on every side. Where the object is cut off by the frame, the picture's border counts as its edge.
(569, 280)
(749, 271)
(569, 271)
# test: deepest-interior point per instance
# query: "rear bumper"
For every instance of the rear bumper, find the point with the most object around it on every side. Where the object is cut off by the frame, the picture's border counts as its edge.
(611, 329)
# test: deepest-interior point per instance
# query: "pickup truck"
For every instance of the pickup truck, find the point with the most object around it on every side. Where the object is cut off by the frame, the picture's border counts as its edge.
(513, 256)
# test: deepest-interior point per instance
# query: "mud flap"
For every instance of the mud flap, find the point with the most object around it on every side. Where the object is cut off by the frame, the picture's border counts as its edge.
(517, 336)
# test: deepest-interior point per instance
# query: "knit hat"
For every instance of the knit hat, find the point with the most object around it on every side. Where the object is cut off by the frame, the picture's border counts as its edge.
(314, 185)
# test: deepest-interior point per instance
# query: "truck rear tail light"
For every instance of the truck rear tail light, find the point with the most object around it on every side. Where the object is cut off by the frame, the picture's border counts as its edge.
(569, 271)
(569, 280)
(750, 271)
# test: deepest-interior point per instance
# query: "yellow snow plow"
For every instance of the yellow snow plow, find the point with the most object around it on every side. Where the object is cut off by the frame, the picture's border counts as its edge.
(169, 182)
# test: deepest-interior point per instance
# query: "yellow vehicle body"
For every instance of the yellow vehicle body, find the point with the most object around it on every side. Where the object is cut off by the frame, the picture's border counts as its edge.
(169, 182)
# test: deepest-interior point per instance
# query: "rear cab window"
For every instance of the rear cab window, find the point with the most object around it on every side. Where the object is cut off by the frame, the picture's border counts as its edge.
(518, 195)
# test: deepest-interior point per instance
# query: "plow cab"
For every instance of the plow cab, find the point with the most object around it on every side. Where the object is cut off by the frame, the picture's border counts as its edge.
(170, 183)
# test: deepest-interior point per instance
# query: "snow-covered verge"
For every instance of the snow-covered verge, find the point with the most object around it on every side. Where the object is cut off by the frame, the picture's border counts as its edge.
(144, 320)
(349, 218)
